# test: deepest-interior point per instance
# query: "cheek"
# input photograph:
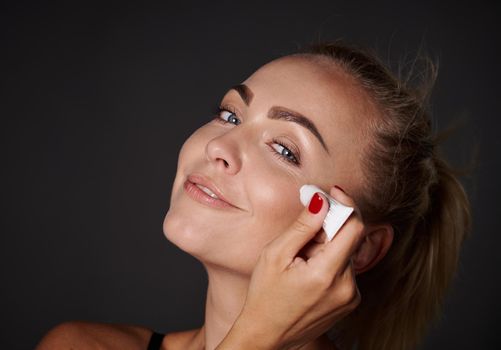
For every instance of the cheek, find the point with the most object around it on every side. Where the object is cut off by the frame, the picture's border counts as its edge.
(273, 197)
(279, 202)
(193, 147)
(270, 191)
(180, 213)
(275, 202)
(191, 155)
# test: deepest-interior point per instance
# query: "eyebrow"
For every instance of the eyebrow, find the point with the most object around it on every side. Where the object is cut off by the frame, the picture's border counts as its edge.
(282, 113)
(244, 92)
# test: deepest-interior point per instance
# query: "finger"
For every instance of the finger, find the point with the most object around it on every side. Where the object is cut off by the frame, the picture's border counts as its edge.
(339, 195)
(338, 252)
(302, 230)
(350, 293)
(311, 248)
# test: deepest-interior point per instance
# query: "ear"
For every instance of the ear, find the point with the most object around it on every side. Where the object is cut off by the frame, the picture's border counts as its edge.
(373, 248)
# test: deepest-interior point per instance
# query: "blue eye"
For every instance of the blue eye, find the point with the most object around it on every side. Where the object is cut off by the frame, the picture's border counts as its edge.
(228, 117)
(285, 152)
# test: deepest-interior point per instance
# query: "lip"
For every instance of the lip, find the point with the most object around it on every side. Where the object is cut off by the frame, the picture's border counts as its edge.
(200, 196)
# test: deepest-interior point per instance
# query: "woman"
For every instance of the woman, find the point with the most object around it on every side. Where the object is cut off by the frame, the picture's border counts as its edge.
(334, 117)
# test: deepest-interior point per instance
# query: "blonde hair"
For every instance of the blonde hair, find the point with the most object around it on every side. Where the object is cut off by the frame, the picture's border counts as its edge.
(408, 185)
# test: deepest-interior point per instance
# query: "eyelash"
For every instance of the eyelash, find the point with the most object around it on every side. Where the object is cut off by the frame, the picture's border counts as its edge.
(293, 150)
(217, 113)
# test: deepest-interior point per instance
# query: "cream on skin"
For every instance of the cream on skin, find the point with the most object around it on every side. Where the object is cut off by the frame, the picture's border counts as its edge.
(258, 164)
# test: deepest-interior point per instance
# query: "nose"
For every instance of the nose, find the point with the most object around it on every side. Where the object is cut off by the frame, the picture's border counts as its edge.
(225, 154)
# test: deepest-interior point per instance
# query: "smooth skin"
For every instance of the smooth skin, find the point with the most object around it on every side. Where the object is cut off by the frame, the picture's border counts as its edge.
(273, 284)
(300, 296)
(323, 279)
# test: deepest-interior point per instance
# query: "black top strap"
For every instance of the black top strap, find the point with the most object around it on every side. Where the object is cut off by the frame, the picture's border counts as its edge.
(155, 341)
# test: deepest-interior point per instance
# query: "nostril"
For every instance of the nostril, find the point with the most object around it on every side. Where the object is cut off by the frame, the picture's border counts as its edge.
(226, 163)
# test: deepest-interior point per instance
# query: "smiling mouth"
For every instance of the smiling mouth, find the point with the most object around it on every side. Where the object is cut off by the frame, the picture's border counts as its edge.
(201, 194)
(208, 191)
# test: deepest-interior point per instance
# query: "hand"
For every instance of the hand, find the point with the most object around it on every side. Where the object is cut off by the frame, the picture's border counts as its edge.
(299, 288)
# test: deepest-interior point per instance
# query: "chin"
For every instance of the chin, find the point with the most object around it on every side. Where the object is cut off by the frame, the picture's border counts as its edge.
(207, 247)
(185, 236)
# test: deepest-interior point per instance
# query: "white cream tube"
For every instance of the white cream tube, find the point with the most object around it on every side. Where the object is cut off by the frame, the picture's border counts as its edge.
(337, 215)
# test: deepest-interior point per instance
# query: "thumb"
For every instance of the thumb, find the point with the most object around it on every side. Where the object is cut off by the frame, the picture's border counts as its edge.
(287, 245)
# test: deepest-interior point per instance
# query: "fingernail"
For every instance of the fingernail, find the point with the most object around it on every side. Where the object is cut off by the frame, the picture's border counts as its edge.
(339, 188)
(315, 203)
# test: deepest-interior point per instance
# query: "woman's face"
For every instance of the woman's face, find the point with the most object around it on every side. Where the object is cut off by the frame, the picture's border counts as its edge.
(293, 122)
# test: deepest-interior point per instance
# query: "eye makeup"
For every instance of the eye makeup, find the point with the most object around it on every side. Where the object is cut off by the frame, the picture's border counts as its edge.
(292, 154)
(288, 152)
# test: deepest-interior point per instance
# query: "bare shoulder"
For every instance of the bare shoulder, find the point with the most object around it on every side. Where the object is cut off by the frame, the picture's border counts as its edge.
(191, 339)
(89, 335)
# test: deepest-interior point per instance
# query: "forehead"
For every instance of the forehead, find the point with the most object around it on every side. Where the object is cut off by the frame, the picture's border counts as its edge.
(321, 91)
(317, 89)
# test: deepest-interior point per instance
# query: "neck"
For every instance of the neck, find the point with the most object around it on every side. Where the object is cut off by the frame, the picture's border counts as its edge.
(226, 294)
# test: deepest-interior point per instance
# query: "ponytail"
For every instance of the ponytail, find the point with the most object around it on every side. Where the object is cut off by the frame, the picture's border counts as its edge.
(406, 290)
(411, 187)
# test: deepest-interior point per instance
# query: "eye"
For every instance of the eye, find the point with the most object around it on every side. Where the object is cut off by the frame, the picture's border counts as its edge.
(285, 152)
(226, 116)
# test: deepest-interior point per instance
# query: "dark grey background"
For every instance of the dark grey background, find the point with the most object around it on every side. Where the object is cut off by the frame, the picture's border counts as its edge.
(96, 101)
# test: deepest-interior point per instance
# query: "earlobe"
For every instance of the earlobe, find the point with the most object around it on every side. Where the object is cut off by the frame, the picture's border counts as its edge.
(373, 248)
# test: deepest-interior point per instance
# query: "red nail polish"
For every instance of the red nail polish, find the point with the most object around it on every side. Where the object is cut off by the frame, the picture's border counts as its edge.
(315, 204)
